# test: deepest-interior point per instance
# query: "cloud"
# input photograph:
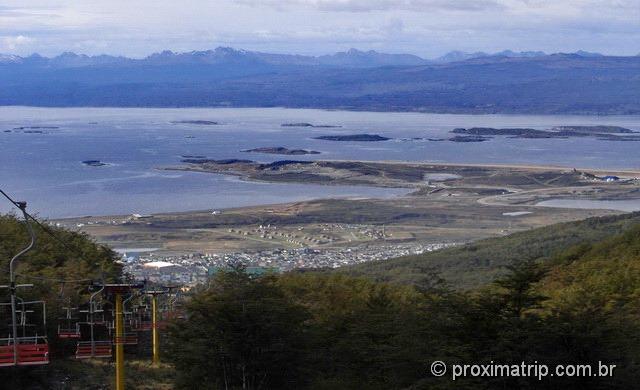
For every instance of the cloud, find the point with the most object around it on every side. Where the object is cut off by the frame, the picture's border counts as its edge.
(424, 27)
(11, 12)
(535, 7)
(378, 5)
(13, 42)
(19, 13)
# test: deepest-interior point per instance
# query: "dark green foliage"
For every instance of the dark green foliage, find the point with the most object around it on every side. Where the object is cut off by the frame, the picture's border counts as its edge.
(568, 294)
(308, 331)
(473, 265)
(48, 262)
(579, 306)
(81, 258)
(242, 333)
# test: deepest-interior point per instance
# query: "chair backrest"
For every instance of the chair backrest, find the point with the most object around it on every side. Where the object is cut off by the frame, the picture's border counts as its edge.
(31, 351)
(100, 349)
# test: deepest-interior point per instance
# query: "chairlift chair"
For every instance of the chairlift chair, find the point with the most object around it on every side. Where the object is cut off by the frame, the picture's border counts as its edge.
(95, 341)
(144, 320)
(130, 334)
(30, 347)
(96, 349)
(69, 326)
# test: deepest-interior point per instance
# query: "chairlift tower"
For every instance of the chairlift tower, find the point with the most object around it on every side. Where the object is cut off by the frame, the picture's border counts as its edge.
(155, 337)
(117, 291)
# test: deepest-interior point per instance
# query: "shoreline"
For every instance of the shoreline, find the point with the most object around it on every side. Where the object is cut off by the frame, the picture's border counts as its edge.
(443, 202)
(635, 171)
(377, 110)
(507, 168)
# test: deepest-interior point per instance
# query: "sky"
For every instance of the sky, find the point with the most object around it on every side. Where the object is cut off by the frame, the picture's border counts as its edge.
(428, 28)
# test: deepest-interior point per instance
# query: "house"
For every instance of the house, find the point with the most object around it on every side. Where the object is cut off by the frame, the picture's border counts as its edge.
(610, 179)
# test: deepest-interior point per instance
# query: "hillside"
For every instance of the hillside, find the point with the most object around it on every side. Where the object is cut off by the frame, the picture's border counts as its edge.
(478, 263)
(476, 83)
(60, 274)
(65, 255)
(605, 273)
(329, 330)
(314, 330)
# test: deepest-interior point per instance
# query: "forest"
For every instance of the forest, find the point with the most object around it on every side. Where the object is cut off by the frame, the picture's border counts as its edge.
(576, 304)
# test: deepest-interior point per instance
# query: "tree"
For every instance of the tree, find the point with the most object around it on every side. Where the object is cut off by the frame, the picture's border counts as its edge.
(243, 333)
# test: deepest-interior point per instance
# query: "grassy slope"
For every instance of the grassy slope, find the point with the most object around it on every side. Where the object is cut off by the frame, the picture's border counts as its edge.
(475, 264)
(96, 374)
(605, 273)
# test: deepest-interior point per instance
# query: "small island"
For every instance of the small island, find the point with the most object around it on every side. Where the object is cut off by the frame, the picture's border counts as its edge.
(604, 133)
(354, 137)
(94, 163)
(228, 161)
(281, 150)
(469, 138)
(192, 156)
(306, 124)
(489, 131)
(36, 128)
(596, 129)
(196, 122)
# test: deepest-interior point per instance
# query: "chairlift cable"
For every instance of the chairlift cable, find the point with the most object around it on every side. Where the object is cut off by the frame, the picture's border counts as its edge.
(42, 226)
(54, 279)
(54, 236)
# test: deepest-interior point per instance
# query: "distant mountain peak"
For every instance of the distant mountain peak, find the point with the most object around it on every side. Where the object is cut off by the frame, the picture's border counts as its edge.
(457, 55)
(229, 50)
(229, 56)
(164, 53)
(354, 51)
(583, 53)
(527, 54)
(358, 58)
(70, 54)
(9, 58)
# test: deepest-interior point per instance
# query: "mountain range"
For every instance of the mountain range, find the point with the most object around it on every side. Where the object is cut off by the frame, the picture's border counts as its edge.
(504, 82)
(350, 58)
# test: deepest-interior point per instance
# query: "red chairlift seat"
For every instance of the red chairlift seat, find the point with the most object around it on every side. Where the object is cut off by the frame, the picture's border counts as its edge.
(6, 356)
(31, 351)
(31, 348)
(101, 349)
(130, 333)
(33, 354)
(68, 334)
(127, 339)
(143, 325)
